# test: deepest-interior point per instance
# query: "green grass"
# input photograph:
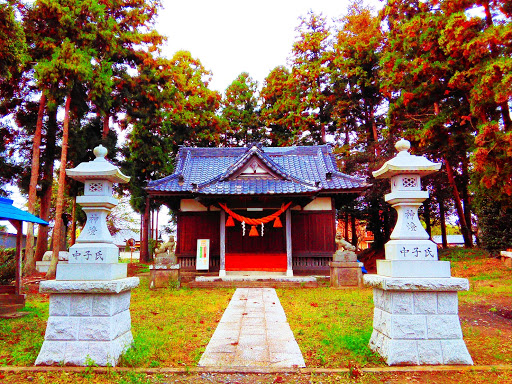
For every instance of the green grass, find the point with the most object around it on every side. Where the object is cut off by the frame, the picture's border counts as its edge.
(22, 338)
(172, 327)
(461, 254)
(331, 326)
(488, 276)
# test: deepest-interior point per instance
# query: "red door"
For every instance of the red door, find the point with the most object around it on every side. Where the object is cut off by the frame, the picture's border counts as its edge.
(256, 253)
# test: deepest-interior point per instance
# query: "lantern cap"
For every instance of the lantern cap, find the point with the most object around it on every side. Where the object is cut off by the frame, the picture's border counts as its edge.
(98, 169)
(405, 163)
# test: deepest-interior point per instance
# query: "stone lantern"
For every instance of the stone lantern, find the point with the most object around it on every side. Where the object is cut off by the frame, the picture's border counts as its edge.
(416, 307)
(90, 299)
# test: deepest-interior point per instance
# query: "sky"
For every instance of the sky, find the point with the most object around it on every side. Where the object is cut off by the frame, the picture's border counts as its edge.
(234, 36)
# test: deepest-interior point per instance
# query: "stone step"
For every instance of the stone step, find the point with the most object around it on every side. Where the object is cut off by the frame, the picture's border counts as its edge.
(250, 284)
(6, 309)
(12, 299)
(7, 289)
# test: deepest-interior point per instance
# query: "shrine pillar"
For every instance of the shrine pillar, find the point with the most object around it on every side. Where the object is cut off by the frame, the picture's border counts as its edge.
(289, 253)
(222, 269)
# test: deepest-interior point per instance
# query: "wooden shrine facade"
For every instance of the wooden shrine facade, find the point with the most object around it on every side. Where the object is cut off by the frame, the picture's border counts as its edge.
(287, 197)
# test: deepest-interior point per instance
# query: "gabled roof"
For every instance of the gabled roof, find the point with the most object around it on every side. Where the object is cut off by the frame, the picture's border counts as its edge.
(10, 212)
(295, 170)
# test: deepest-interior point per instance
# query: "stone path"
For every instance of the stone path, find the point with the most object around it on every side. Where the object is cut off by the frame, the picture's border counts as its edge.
(253, 332)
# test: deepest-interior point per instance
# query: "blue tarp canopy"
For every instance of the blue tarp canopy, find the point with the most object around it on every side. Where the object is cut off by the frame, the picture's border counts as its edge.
(10, 212)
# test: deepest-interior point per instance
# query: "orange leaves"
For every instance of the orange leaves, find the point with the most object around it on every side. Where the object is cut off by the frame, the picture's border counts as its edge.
(465, 119)
(427, 46)
(407, 97)
(491, 160)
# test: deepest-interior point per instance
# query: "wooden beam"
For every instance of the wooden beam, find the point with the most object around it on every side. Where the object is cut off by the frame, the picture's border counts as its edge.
(222, 243)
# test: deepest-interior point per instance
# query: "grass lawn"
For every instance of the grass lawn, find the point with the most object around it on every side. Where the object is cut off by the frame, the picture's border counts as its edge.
(331, 326)
(172, 327)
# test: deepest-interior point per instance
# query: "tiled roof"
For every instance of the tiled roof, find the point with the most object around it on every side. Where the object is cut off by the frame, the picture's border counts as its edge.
(10, 212)
(212, 171)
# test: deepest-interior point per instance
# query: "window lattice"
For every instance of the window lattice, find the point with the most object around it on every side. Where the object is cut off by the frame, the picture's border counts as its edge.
(409, 182)
(96, 187)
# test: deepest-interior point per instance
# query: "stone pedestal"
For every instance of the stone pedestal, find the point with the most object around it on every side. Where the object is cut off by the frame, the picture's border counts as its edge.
(89, 322)
(345, 269)
(416, 317)
(43, 265)
(163, 276)
(506, 257)
(346, 274)
(416, 321)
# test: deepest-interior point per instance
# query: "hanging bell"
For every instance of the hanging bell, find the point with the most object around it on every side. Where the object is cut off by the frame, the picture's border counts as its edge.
(230, 222)
(254, 231)
(277, 223)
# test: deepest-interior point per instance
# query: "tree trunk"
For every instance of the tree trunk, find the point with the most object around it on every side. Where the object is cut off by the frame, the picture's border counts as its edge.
(378, 224)
(43, 230)
(375, 134)
(106, 128)
(347, 136)
(72, 235)
(442, 218)
(144, 245)
(345, 235)
(30, 261)
(387, 224)
(60, 194)
(354, 230)
(46, 184)
(458, 204)
(466, 201)
(426, 216)
(488, 15)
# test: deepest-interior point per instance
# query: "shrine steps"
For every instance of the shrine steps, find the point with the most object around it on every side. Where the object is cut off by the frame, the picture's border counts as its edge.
(10, 302)
(256, 280)
(249, 284)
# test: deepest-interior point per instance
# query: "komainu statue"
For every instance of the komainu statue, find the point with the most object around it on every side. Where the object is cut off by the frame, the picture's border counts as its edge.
(344, 250)
(164, 254)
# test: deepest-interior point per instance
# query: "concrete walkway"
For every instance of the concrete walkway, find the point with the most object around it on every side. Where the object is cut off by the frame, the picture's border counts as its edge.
(253, 332)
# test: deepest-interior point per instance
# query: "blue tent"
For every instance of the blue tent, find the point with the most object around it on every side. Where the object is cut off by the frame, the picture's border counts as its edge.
(16, 216)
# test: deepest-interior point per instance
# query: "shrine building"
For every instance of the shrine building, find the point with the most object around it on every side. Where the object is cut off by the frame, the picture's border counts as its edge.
(262, 208)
